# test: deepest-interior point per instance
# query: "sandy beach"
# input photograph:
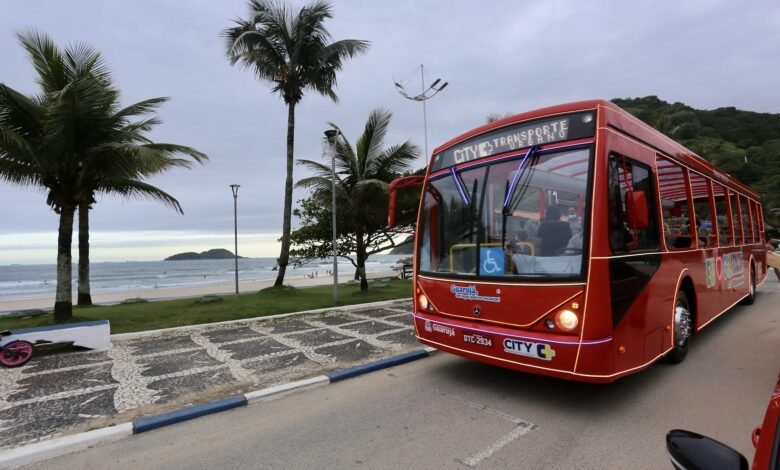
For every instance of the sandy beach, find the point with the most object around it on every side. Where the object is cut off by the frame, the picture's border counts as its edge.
(183, 292)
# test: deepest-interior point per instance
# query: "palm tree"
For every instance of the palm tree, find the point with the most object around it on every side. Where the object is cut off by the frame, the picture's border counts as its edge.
(362, 176)
(291, 52)
(73, 141)
(116, 163)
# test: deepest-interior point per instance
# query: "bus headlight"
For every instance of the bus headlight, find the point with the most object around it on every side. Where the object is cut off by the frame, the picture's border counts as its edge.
(567, 320)
(423, 301)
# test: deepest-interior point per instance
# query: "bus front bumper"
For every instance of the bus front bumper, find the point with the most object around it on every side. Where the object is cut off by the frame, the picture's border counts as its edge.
(535, 352)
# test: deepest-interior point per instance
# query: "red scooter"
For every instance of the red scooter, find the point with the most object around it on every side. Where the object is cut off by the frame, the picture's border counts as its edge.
(16, 353)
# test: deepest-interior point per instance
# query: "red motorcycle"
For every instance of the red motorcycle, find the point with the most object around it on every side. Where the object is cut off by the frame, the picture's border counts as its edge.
(15, 353)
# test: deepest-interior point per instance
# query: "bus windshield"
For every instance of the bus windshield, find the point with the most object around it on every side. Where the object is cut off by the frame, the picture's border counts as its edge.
(522, 217)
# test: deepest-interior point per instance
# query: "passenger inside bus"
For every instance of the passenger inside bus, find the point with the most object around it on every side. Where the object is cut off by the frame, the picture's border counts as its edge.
(575, 222)
(553, 233)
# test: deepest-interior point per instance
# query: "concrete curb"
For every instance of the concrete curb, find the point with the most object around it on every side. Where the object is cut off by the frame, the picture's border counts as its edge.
(63, 445)
(377, 365)
(68, 444)
(186, 414)
(258, 395)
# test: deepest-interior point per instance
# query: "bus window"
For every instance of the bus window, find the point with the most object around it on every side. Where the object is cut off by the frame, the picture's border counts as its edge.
(703, 210)
(724, 219)
(673, 189)
(757, 229)
(626, 175)
(747, 231)
(738, 240)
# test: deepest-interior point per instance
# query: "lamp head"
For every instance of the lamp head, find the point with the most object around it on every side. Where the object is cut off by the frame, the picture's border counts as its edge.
(331, 135)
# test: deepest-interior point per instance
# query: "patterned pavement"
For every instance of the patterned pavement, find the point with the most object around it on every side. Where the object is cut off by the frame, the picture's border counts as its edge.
(68, 392)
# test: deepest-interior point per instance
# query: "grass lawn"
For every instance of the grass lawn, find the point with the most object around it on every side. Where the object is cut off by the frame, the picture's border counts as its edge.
(180, 312)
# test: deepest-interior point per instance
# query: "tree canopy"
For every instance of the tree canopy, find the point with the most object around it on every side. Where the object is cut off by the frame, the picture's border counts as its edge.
(362, 175)
(73, 140)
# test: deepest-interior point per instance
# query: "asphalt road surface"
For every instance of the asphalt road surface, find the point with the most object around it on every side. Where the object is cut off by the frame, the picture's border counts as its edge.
(447, 412)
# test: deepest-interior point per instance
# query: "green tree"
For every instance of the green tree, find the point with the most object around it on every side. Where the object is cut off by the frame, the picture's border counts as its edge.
(362, 176)
(293, 53)
(72, 140)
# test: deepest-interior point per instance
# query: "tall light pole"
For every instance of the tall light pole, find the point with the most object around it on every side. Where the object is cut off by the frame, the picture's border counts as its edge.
(234, 188)
(427, 93)
(331, 135)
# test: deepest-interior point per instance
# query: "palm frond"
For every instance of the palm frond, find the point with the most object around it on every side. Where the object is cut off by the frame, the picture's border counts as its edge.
(140, 108)
(345, 48)
(81, 61)
(173, 149)
(14, 147)
(395, 159)
(46, 58)
(18, 172)
(319, 183)
(370, 143)
(134, 189)
(318, 168)
(19, 111)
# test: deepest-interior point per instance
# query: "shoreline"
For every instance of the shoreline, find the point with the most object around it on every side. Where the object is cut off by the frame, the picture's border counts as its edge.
(170, 293)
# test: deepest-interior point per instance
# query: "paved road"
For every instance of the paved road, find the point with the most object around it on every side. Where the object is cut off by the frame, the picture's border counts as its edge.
(446, 412)
(141, 376)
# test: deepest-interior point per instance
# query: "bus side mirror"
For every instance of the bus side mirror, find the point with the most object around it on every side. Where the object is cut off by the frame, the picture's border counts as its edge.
(636, 209)
(391, 210)
(395, 185)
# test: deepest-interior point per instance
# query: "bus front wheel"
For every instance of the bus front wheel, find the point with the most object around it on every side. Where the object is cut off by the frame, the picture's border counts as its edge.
(683, 324)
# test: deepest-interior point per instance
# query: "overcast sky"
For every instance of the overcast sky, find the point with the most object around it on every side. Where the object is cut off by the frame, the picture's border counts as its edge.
(498, 57)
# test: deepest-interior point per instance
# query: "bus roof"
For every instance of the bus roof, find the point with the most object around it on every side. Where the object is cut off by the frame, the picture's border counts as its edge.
(611, 115)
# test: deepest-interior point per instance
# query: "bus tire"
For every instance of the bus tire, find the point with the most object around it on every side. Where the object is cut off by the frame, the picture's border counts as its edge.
(682, 328)
(751, 288)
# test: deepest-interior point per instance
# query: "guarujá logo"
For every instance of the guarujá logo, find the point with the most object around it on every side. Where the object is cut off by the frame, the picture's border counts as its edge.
(471, 293)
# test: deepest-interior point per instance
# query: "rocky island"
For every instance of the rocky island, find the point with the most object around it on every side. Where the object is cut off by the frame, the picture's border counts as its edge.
(217, 253)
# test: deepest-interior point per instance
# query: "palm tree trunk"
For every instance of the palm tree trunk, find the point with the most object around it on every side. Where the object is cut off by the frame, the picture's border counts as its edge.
(361, 259)
(284, 256)
(84, 295)
(63, 304)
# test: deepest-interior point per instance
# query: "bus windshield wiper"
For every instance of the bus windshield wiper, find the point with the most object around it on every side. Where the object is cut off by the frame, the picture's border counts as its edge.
(518, 173)
(463, 194)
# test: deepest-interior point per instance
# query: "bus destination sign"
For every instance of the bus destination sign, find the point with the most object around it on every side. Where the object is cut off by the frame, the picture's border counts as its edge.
(519, 136)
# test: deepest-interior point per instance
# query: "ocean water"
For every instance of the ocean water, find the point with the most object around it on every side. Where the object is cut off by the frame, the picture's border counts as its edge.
(36, 281)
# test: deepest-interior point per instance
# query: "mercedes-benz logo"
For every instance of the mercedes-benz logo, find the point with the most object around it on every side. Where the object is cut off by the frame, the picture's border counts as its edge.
(477, 311)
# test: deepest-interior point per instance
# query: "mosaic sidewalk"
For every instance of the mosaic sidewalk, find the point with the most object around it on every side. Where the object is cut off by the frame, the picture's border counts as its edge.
(69, 392)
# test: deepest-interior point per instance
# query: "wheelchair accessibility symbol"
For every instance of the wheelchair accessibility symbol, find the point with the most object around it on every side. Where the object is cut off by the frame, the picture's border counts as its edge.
(491, 261)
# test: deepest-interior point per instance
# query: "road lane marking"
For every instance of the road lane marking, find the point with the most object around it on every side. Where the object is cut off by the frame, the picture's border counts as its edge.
(522, 427)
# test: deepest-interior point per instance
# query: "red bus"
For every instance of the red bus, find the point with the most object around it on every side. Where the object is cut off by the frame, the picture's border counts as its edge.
(577, 242)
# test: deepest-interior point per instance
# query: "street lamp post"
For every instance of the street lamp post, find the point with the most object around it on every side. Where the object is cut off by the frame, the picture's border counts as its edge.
(331, 135)
(427, 93)
(234, 188)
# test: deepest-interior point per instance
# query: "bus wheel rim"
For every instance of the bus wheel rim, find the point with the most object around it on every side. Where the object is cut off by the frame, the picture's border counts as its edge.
(682, 325)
